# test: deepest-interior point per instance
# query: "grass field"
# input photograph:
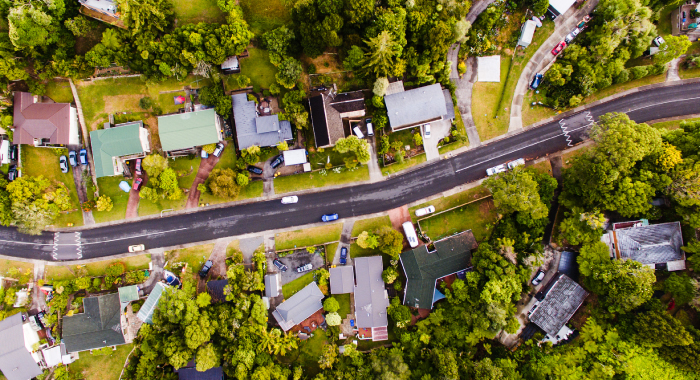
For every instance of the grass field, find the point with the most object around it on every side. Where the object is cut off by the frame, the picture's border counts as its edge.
(478, 217)
(96, 269)
(101, 367)
(23, 267)
(110, 186)
(395, 168)
(291, 288)
(370, 224)
(263, 16)
(671, 125)
(193, 256)
(304, 181)
(190, 12)
(59, 91)
(445, 203)
(490, 122)
(344, 301)
(257, 67)
(311, 236)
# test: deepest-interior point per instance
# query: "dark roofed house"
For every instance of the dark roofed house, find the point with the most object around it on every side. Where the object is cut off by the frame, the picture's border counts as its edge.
(99, 326)
(251, 129)
(371, 298)
(418, 106)
(563, 297)
(189, 372)
(44, 124)
(656, 245)
(329, 109)
(16, 363)
(215, 288)
(342, 280)
(299, 307)
(423, 269)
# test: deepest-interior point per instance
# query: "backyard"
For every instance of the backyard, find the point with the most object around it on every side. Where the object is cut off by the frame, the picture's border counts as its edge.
(315, 179)
(190, 12)
(59, 91)
(257, 67)
(312, 236)
(101, 367)
(263, 16)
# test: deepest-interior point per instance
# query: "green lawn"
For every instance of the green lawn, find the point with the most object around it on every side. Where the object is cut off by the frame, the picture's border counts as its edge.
(59, 91)
(193, 256)
(491, 122)
(97, 269)
(330, 252)
(445, 203)
(110, 186)
(101, 367)
(190, 12)
(253, 190)
(304, 181)
(671, 125)
(395, 168)
(311, 236)
(310, 351)
(344, 301)
(23, 267)
(186, 169)
(478, 217)
(257, 67)
(370, 224)
(459, 123)
(263, 16)
(291, 288)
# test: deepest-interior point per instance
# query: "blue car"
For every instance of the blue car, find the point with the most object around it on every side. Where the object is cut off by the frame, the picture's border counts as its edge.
(536, 81)
(83, 157)
(343, 255)
(329, 217)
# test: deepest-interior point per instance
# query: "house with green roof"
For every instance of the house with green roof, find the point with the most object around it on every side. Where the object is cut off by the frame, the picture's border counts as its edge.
(113, 147)
(181, 133)
(423, 268)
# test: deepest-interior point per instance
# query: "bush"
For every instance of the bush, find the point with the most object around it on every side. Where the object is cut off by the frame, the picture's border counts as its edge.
(311, 69)
(209, 148)
(135, 277)
(639, 72)
(104, 203)
(274, 89)
(82, 282)
(202, 188)
(103, 351)
(115, 269)
(418, 139)
(461, 68)
(145, 103)
(96, 283)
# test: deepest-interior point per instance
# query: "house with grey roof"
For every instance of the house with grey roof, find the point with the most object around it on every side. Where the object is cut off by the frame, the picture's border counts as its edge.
(253, 129)
(371, 298)
(44, 124)
(342, 279)
(299, 307)
(16, 361)
(181, 133)
(146, 311)
(419, 106)
(113, 147)
(273, 285)
(98, 326)
(423, 268)
(332, 113)
(562, 297)
(657, 245)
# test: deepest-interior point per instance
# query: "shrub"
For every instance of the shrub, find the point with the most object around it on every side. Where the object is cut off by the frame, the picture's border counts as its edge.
(103, 351)
(311, 69)
(96, 283)
(202, 188)
(331, 305)
(461, 68)
(145, 103)
(333, 319)
(639, 72)
(82, 282)
(418, 139)
(135, 277)
(115, 269)
(104, 203)
(209, 148)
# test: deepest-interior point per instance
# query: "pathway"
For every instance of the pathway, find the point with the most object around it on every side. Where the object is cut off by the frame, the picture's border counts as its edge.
(38, 299)
(249, 246)
(438, 130)
(83, 128)
(672, 73)
(375, 173)
(268, 179)
(206, 165)
(345, 240)
(463, 92)
(269, 241)
(77, 172)
(564, 24)
(132, 206)
(218, 257)
(156, 273)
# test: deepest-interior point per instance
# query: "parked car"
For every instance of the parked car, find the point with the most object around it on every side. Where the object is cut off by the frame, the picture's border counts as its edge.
(329, 217)
(83, 157)
(570, 37)
(557, 49)
(539, 276)
(136, 248)
(658, 41)
(358, 132)
(137, 184)
(370, 129)
(290, 199)
(254, 169)
(536, 81)
(343, 255)
(13, 152)
(73, 158)
(279, 160)
(34, 324)
(219, 149)
(305, 268)
(426, 131)
(138, 167)
(205, 269)
(496, 169)
(410, 232)
(12, 173)
(279, 265)
(63, 163)
(514, 163)
(425, 210)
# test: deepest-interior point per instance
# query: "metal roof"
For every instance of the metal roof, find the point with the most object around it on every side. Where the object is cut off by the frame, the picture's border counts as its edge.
(342, 279)
(371, 299)
(128, 294)
(294, 157)
(412, 107)
(273, 285)
(559, 305)
(149, 307)
(651, 244)
(187, 130)
(16, 363)
(526, 33)
(568, 265)
(299, 306)
(122, 140)
(318, 121)
(99, 326)
(561, 6)
(254, 130)
(49, 121)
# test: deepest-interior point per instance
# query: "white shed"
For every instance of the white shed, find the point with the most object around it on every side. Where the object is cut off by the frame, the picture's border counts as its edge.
(294, 157)
(4, 152)
(489, 69)
(526, 33)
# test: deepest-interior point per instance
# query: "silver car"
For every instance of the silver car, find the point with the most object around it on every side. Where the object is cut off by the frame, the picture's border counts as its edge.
(290, 199)
(496, 169)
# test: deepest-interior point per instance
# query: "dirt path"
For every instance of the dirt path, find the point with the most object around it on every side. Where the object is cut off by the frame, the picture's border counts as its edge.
(132, 207)
(205, 167)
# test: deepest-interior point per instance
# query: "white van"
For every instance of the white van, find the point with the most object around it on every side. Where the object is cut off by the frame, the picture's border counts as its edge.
(358, 132)
(410, 234)
(370, 129)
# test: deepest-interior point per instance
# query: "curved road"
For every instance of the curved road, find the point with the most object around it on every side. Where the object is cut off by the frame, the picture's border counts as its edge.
(439, 176)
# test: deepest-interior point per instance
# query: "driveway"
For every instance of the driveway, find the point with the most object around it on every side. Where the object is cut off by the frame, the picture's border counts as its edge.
(301, 257)
(206, 165)
(438, 130)
(345, 241)
(132, 207)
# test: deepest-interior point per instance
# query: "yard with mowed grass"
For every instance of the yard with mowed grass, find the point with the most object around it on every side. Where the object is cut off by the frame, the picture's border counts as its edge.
(485, 99)
(370, 225)
(43, 161)
(186, 169)
(311, 236)
(6, 265)
(445, 203)
(263, 16)
(395, 168)
(477, 216)
(59, 91)
(101, 367)
(344, 302)
(671, 125)
(195, 257)
(308, 353)
(110, 186)
(97, 269)
(257, 67)
(330, 252)
(194, 11)
(312, 180)
(291, 288)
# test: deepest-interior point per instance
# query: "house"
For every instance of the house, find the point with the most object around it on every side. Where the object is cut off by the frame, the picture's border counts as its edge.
(231, 65)
(113, 147)
(273, 285)
(559, 7)
(331, 113)
(103, 10)
(189, 372)
(526, 33)
(217, 290)
(561, 298)
(97, 327)
(252, 129)
(44, 124)
(299, 307)
(149, 307)
(342, 280)
(423, 268)
(371, 299)
(422, 105)
(181, 133)
(16, 360)
(657, 245)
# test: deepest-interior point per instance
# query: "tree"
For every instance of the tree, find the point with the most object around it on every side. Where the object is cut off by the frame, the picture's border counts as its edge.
(333, 319)
(516, 190)
(209, 148)
(288, 72)
(390, 275)
(390, 241)
(581, 227)
(328, 357)
(282, 146)
(154, 164)
(146, 15)
(331, 305)
(380, 86)
(400, 314)
(367, 240)
(354, 58)
(651, 325)
(673, 47)
(207, 357)
(222, 183)
(214, 96)
(354, 144)
(31, 26)
(203, 300)
(110, 39)
(79, 25)
(104, 203)
(681, 287)
(382, 56)
(242, 179)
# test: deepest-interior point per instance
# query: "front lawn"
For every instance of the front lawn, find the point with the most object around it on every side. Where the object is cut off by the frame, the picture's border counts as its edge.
(671, 125)
(59, 91)
(478, 217)
(101, 367)
(308, 237)
(254, 189)
(97, 269)
(195, 257)
(186, 169)
(370, 225)
(304, 181)
(263, 16)
(23, 267)
(486, 97)
(444, 203)
(395, 168)
(191, 12)
(257, 67)
(330, 252)
(291, 288)
(110, 186)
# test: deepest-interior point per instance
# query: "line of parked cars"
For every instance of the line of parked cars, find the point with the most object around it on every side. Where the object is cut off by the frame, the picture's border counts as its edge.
(561, 46)
(73, 158)
(503, 167)
(370, 129)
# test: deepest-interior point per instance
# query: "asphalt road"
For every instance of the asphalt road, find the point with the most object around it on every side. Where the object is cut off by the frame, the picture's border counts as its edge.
(353, 201)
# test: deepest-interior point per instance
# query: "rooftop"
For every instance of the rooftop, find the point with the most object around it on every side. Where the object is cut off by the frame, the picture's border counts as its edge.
(98, 326)
(216, 289)
(16, 363)
(413, 107)
(252, 129)
(273, 285)
(371, 299)
(342, 279)
(149, 307)
(189, 372)
(48, 121)
(298, 307)
(650, 244)
(122, 140)
(560, 303)
(187, 130)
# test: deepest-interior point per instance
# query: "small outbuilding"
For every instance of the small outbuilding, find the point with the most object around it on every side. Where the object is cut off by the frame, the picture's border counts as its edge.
(342, 280)
(295, 157)
(273, 285)
(489, 69)
(526, 33)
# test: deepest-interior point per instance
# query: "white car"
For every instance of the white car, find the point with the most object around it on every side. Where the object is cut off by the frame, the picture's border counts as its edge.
(426, 131)
(496, 169)
(570, 37)
(514, 163)
(290, 199)
(304, 268)
(136, 248)
(658, 41)
(425, 211)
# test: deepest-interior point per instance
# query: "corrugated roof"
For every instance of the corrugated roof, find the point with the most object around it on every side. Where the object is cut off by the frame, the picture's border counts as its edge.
(187, 130)
(16, 363)
(526, 33)
(253, 130)
(99, 326)
(149, 307)
(273, 285)
(651, 244)
(122, 140)
(412, 107)
(299, 306)
(559, 305)
(371, 299)
(49, 121)
(128, 293)
(342, 280)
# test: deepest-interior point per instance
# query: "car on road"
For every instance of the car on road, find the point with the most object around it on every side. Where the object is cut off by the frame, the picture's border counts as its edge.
(13, 152)
(539, 276)
(426, 131)
(570, 37)
(279, 265)
(290, 199)
(138, 167)
(329, 217)
(73, 158)
(205, 269)
(514, 163)
(63, 163)
(425, 210)
(12, 173)
(254, 169)
(219, 149)
(137, 184)
(496, 169)
(658, 41)
(279, 160)
(305, 268)
(557, 49)
(83, 157)
(370, 129)
(536, 81)
(136, 248)
(343, 255)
